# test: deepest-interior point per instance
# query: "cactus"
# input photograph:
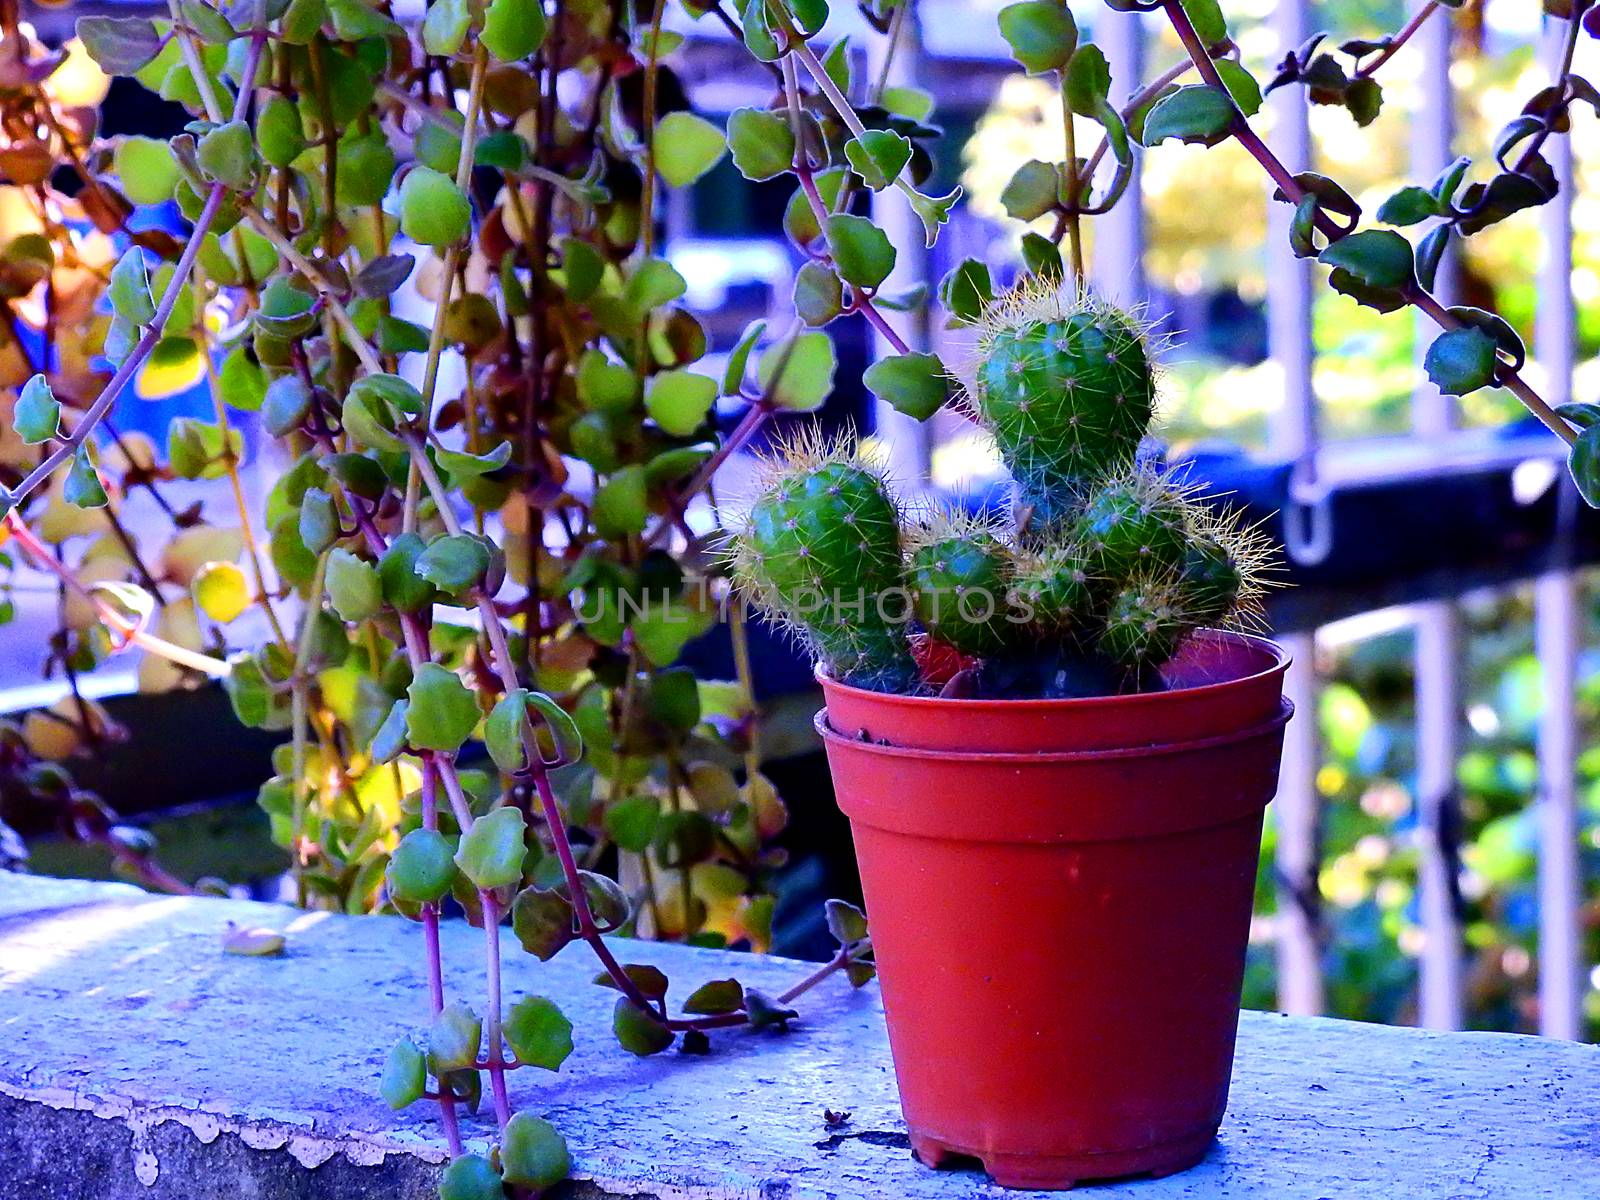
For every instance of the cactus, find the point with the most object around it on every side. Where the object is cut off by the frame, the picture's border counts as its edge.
(1112, 563)
(820, 552)
(1066, 387)
(961, 574)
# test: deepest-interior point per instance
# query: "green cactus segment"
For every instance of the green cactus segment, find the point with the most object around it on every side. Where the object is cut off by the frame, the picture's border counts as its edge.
(823, 549)
(1143, 626)
(1068, 402)
(1054, 590)
(1209, 582)
(1133, 524)
(961, 586)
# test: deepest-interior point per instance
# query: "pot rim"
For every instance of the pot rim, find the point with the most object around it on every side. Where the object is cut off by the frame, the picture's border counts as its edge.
(832, 736)
(1279, 664)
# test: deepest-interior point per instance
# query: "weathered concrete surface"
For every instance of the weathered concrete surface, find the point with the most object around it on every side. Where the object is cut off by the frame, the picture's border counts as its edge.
(138, 1062)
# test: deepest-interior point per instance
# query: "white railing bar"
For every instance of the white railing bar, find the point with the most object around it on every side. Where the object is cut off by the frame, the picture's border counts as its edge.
(1294, 435)
(1438, 683)
(1297, 816)
(1289, 280)
(1437, 649)
(1561, 981)
(1119, 235)
(1557, 639)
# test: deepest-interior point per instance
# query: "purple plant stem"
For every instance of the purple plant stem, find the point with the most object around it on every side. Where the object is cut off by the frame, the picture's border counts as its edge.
(1262, 153)
(865, 307)
(435, 957)
(491, 947)
(754, 418)
(1399, 39)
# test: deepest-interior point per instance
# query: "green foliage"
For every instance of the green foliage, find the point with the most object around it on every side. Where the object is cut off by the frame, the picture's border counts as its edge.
(470, 1177)
(405, 1075)
(532, 1153)
(37, 416)
(539, 1033)
(637, 1031)
(442, 711)
(433, 210)
(1041, 33)
(492, 851)
(422, 867)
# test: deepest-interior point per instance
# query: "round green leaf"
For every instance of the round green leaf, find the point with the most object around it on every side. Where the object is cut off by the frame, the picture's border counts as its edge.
(1196, 114)
(279, 132)
(818, 293)
(678, 401)
(422, 867)
(539, 1033)
(686, 147)
(637, 1031)
(797, 373)
(605, 386)
(761, 142)
(403, 588)
(433, 210)
(227, 155)
(286, 404)
(621, 504)
(1041, 33)
(514, 29)
(1033, 191)
(129, 290)
(631, 822)
(82, 487)
(1461, 361)
(37, 415)
(1378, 258)
(454, 563)
(915, 384)
(862, 251)
(532, 1153)
(444, 29)
(1088, 80)
(491, 852)
(716, 998)
(353, 586)
(454, 1039)
(405, 1075)
(147, 169)
(878, 156)
(442, 711)
(470, 1177)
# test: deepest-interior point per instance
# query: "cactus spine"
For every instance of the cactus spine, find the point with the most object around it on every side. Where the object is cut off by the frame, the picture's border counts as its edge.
(1113, 562)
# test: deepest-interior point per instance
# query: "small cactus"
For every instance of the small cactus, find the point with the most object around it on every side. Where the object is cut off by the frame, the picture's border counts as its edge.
(961, 574)
(1066, 387)
(820, 552)
(1112, 564)
(1054, 590)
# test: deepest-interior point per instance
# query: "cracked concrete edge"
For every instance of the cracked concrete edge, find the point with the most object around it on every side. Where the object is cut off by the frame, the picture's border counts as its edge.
(53, 1145)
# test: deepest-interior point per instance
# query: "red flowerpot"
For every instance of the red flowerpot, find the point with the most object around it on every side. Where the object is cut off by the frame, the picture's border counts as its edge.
(1059, 894)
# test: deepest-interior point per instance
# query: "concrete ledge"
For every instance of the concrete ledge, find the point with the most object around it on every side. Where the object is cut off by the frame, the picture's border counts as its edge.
(137, 1062)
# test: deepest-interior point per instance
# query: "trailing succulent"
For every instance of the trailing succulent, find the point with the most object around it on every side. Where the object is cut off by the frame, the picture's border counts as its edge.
(1108, 566)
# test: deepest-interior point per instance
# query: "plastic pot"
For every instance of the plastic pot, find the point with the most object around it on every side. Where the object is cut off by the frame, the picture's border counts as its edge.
(1059, 894)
